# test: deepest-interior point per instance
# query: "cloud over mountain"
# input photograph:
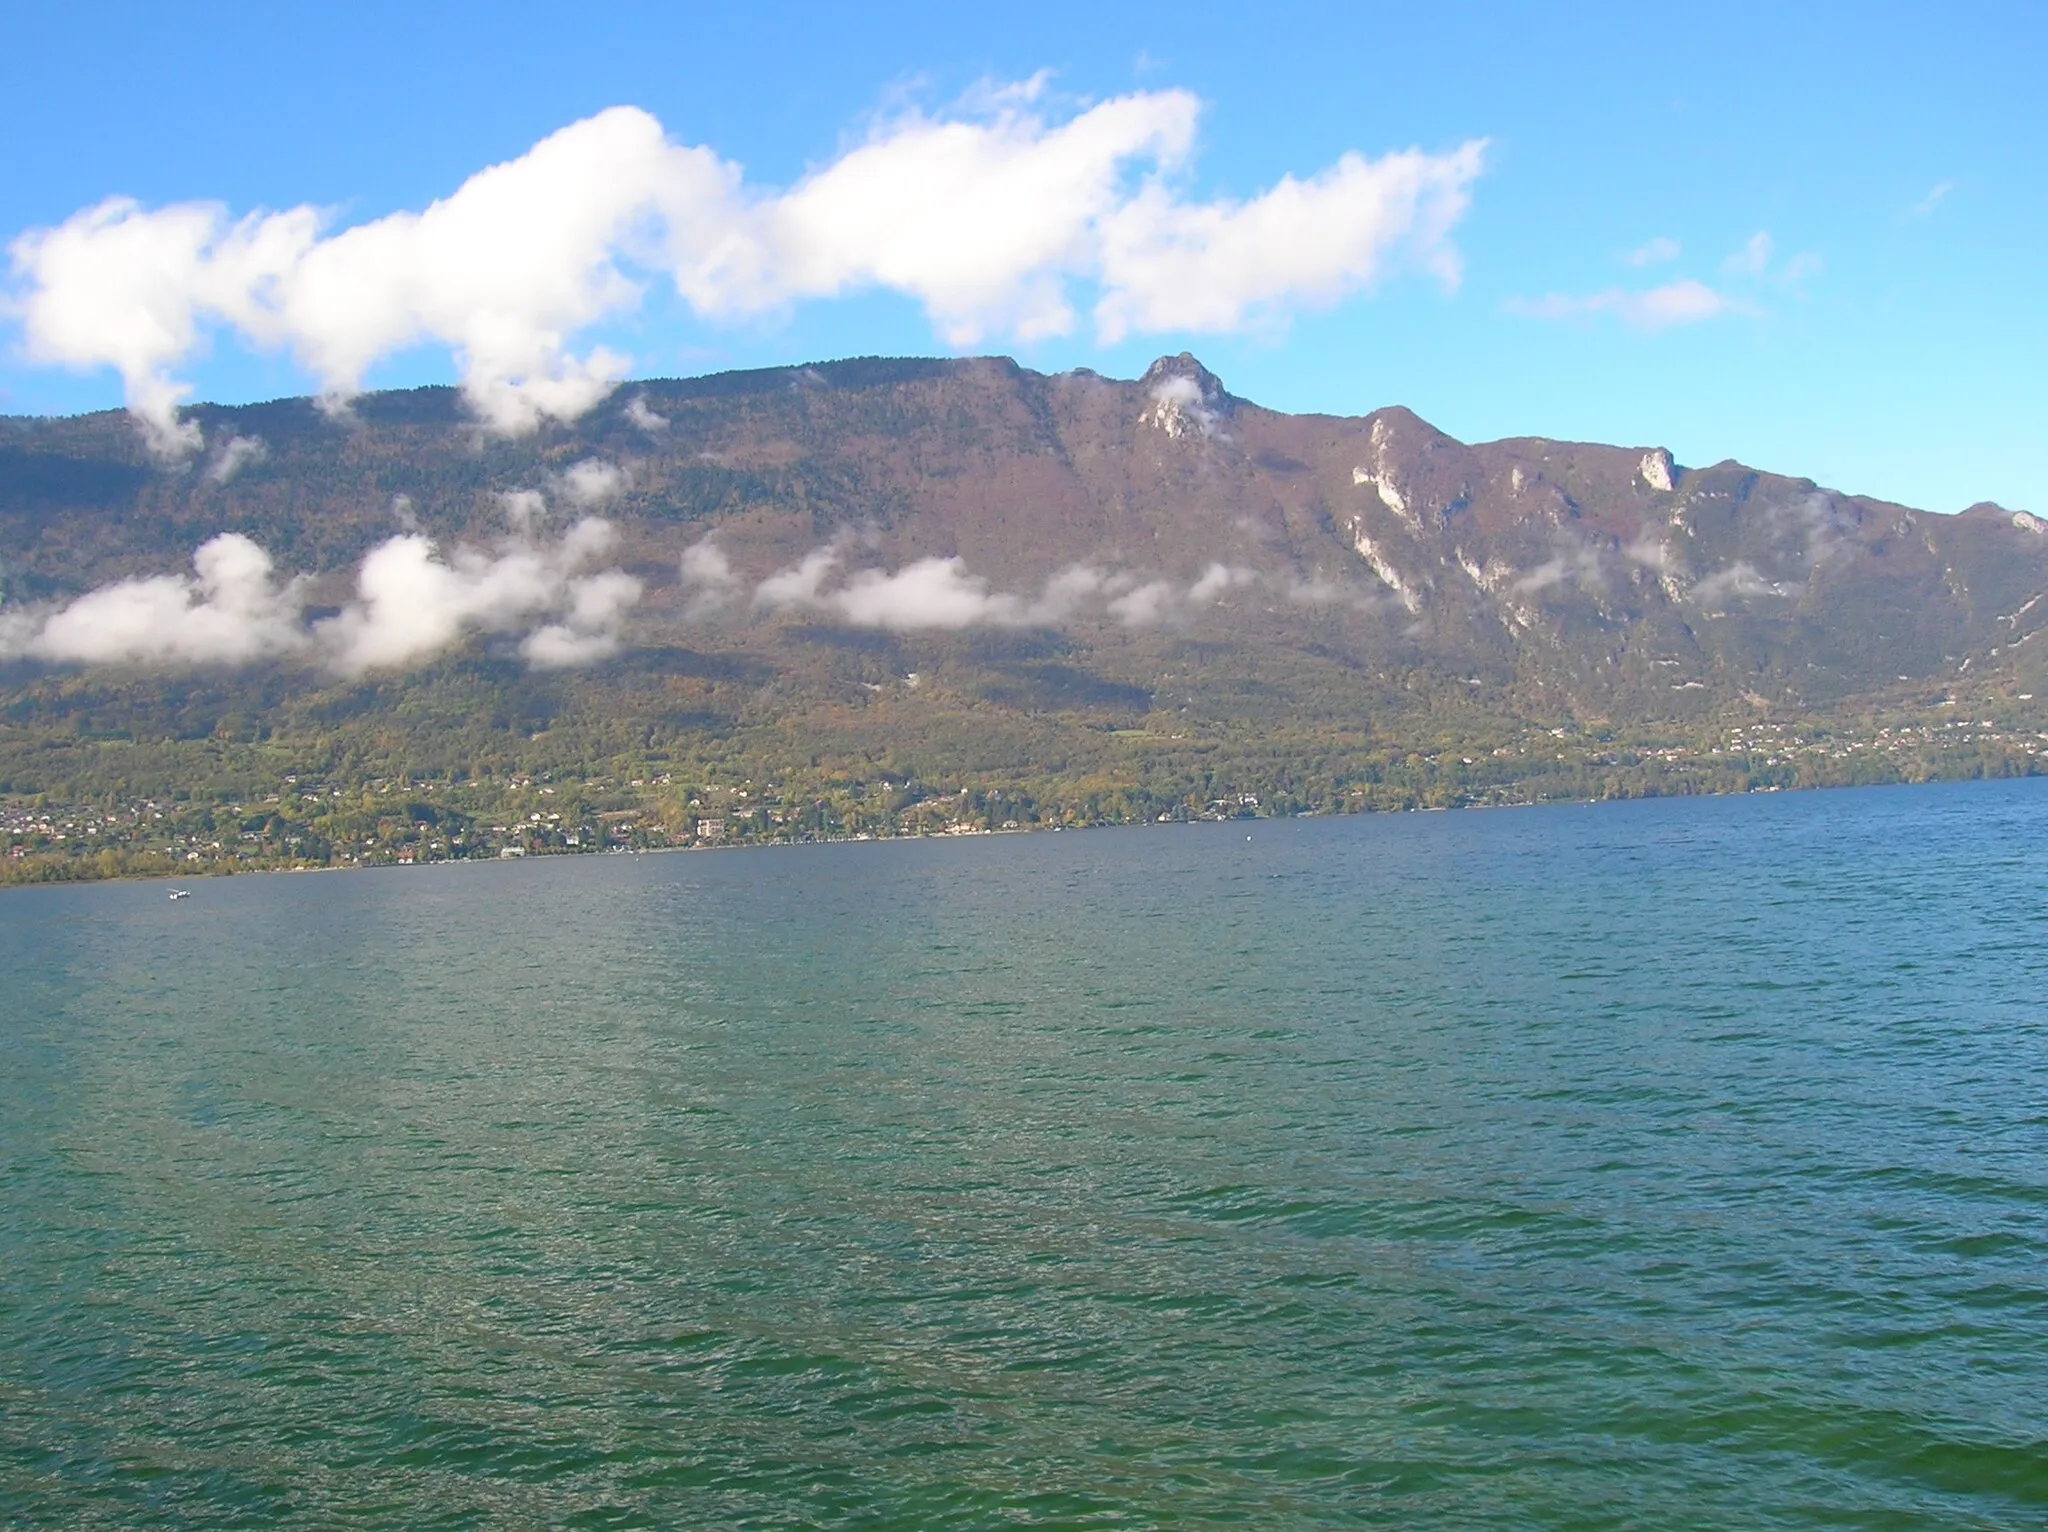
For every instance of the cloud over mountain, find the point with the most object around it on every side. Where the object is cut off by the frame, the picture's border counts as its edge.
(940, 593)
(412, 602)
(230, 611)
(995, 218)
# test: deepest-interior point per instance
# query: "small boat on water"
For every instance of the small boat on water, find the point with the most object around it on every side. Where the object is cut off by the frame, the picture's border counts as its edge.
(181, 893)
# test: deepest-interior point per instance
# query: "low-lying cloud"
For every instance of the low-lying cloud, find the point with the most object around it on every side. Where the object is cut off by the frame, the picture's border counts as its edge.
(1741, 580)
(592, 483)
(644, 417)
(231, 610)
(941, 593)
(709, 580)
(412, 602)
(998, 218)
(1218, 581)
(1816, 523)
(1577, 564)
(235, 454)
(927, 593)
(1651, 551)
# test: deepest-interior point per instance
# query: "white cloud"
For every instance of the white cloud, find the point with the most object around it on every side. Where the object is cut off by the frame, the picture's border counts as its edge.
(1578, 565)
(231, 611)
(593, 611)
(1144, 605)
(525, 511)
(1217, 581)
(1740, 581)
(1069, 590)
(988, 221)
(941, 593)
(503, 272)
(800, 584)
(237, 453)
(1675, 303)
(708, 578)
(121, 287)
(412, 604)
(1168, 264)
(1684, 302)
(592, 483)
(980, 221)
(643, 415)
(1179, 406)
(929, 593)
(1817, 522)
(1651, 550)
(1654, 252)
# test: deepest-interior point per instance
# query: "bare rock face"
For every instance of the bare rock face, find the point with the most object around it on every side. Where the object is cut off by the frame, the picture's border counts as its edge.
(1657, 469)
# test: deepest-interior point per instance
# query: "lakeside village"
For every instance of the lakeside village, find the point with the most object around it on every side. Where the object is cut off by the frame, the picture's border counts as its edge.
(311, 822)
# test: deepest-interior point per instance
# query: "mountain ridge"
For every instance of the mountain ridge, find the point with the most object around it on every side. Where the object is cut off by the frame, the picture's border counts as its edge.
(1029, 473)
(968, 571)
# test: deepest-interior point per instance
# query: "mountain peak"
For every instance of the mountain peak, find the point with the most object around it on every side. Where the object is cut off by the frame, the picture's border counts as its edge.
(1184, 398)
(1186, 366)
(1991, 510)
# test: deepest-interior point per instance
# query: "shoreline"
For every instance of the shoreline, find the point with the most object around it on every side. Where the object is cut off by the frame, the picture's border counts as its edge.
(212, 874)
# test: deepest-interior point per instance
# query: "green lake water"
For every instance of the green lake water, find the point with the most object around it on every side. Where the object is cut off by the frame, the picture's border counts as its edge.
(1662, 1165)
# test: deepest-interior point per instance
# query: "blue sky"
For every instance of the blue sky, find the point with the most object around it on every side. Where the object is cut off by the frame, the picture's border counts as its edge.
(1885, 338)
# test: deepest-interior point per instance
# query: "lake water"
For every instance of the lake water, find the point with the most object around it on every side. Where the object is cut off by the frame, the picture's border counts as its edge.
(1660, 1165)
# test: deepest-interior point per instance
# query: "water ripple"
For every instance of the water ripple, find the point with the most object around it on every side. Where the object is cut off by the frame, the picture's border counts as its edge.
(1673, 1164)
